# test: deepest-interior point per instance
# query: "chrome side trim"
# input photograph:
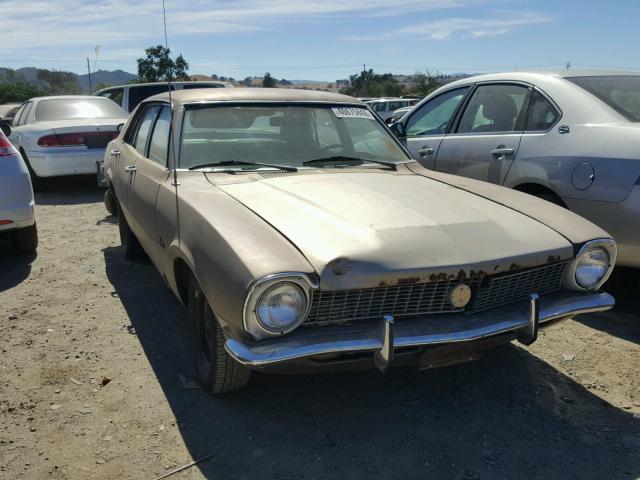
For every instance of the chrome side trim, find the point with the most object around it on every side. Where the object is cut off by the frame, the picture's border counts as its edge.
(423, 331)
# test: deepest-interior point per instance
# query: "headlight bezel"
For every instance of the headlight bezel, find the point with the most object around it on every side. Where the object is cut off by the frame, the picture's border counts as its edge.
(607, 244)
(252, 324)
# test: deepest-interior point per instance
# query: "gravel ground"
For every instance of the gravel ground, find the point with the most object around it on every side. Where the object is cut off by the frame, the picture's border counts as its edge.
(96, 384)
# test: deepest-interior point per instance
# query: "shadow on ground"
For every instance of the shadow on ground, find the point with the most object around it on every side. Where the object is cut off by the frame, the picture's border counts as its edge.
(15, 267)
(70, 191)
(508, 415)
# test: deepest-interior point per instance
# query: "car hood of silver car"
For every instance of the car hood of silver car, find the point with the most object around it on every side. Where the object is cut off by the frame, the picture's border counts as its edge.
(374, 227)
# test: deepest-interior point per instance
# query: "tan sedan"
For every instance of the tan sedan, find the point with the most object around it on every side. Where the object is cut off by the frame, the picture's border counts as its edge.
(300, 235)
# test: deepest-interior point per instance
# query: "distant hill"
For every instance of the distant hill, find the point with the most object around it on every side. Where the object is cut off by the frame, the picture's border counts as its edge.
(115, 77)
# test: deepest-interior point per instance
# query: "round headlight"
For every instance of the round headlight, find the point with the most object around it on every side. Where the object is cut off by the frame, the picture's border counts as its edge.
(281, 307)
(591, 267)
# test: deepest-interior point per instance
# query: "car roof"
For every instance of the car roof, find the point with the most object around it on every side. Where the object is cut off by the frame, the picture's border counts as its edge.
(65, 97)
(252, 94)
(151, 84)
(531, 76)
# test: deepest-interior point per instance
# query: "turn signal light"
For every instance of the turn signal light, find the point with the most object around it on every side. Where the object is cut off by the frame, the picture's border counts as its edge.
(6, 148)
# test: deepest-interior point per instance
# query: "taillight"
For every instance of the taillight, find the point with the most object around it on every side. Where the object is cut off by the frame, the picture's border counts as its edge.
(72, 139)
(6, 148)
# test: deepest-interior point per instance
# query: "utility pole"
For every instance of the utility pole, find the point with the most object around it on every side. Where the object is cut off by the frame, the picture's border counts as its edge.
(89, 71)
(568, 65)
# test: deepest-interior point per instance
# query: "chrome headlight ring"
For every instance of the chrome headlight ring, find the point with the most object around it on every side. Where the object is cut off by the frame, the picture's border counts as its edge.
(251, 321)
(609, 246)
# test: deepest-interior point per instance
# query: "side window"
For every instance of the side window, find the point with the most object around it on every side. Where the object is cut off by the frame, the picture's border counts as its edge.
(433, 117)
(542, 116)
(380, 106)
(396, 105)
(159, 145)
(144, 127)
(138, 94)
(494, 108)
(16, 119)
(114, 94)
(27, 112)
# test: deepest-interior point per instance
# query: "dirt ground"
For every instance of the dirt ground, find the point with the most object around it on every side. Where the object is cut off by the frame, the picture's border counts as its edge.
(95, 383)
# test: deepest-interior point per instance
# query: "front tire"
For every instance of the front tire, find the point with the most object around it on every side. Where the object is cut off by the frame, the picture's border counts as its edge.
(110, 202)
(132, 248)
(25, 240)
(216, 371)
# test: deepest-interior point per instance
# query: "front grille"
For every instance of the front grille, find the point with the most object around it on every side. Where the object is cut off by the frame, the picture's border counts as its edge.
(328, 307)
(509, 288)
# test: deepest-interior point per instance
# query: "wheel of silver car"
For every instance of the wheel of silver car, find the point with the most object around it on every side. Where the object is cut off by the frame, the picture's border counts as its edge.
(132, 248)
(216, 371)
(551, 198)
(25, 240)
(110, 202)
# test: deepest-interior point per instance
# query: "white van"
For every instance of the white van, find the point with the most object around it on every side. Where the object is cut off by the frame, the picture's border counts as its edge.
(129, 96)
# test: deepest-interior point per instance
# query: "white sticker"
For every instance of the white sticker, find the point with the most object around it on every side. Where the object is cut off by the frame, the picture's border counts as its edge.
(353, 112)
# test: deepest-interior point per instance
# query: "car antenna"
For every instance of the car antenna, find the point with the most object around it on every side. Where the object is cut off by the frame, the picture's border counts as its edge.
(173, 143)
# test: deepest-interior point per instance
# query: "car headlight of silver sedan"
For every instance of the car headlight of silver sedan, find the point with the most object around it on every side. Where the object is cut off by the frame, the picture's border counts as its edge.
(277, 304)
(592, 266)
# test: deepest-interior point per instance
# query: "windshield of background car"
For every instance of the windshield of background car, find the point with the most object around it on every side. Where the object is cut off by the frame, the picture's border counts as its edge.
(620, 92)
(77, 108)
(283, 134)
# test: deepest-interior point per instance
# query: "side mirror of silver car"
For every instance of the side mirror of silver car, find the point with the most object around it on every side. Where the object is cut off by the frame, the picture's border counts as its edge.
(6, 129)
(398, 129)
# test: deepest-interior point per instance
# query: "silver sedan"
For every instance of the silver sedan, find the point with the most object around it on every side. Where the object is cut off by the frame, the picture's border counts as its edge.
(569, 137)
(16, 199)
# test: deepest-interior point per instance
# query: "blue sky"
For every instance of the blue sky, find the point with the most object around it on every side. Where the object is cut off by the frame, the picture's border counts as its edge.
(325, 39)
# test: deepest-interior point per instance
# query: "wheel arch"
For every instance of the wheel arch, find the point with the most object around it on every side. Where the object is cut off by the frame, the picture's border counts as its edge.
(537, 189)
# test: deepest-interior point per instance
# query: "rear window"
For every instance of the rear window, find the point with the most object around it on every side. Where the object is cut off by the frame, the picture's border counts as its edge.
(620, 92)
(200, 85)
(76, 108)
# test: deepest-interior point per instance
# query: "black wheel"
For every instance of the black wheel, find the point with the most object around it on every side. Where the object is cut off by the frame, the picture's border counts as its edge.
(110, 202)
(216, 371)
(25, 240)
(132, 248)
(37, 182)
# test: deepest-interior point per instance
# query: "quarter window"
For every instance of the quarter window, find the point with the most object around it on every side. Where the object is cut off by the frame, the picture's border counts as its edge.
(542, 116)
(144, 127)
(433, 117)
(159, 145)
(16, 120)
(494, 108)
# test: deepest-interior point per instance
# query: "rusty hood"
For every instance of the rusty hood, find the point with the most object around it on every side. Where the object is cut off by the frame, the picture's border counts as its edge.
(364, 229)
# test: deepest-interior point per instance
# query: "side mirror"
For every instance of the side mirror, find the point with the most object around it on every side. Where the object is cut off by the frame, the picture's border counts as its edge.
(398, 129)
(6, 129)
(119, 127)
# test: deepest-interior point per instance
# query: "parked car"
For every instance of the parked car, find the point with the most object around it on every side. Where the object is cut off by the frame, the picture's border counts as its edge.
(569, 137)
(7, 112)
(17, 217)
(129, 96)
(385, 107)
(397, 115)
(64, 135)
(300, 235)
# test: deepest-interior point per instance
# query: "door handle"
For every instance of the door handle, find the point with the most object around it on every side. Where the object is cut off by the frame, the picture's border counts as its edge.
(115, 152)
(424, 151)
(502, 152)
(130, 168)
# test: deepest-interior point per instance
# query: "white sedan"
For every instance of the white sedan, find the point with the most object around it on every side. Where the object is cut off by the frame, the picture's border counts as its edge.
(64, 135)
(16, 199)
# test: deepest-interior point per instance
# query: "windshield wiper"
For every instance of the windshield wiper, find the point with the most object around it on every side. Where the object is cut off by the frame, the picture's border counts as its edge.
(225, 163)
(349, 160)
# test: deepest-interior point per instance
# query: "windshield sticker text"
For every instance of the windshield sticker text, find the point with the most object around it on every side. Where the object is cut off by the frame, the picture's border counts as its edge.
(353, 112)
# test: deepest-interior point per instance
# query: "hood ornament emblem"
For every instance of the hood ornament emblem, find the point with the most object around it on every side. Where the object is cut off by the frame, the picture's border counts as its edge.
(460, 295)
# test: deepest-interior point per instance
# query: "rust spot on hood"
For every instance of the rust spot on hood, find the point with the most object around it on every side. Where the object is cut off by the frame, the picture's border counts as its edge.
(408, 281)
(339, 266)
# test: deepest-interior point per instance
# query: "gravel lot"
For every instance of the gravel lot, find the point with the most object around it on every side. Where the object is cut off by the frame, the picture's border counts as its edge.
(96, 383)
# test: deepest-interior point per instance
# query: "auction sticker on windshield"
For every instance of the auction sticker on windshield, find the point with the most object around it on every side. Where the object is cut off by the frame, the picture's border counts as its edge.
(352, 112)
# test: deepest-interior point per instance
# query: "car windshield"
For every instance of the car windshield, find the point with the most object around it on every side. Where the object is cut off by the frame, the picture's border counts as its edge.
(284, 134)
(77, 108)
(620, 92)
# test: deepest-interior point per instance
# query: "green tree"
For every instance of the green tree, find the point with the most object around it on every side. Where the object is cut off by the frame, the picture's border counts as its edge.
(370, 84)
(57, 82)
(268, 81)
(248, 81)
(427, 82)
(158, 65)
(19, 91)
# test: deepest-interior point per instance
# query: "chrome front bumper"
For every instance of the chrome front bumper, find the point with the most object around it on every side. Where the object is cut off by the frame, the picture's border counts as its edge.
(388, 335)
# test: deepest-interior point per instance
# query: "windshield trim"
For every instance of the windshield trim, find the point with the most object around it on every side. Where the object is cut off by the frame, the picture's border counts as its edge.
(183, 107)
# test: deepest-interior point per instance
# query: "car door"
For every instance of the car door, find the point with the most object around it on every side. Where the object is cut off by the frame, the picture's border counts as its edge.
(150, 172)
(486, 137)
(427, 124)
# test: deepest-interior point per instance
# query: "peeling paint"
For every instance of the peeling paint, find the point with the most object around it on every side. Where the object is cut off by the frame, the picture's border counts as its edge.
(340, 266)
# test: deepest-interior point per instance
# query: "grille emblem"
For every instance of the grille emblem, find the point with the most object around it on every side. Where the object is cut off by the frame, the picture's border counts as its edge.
(460, 295)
